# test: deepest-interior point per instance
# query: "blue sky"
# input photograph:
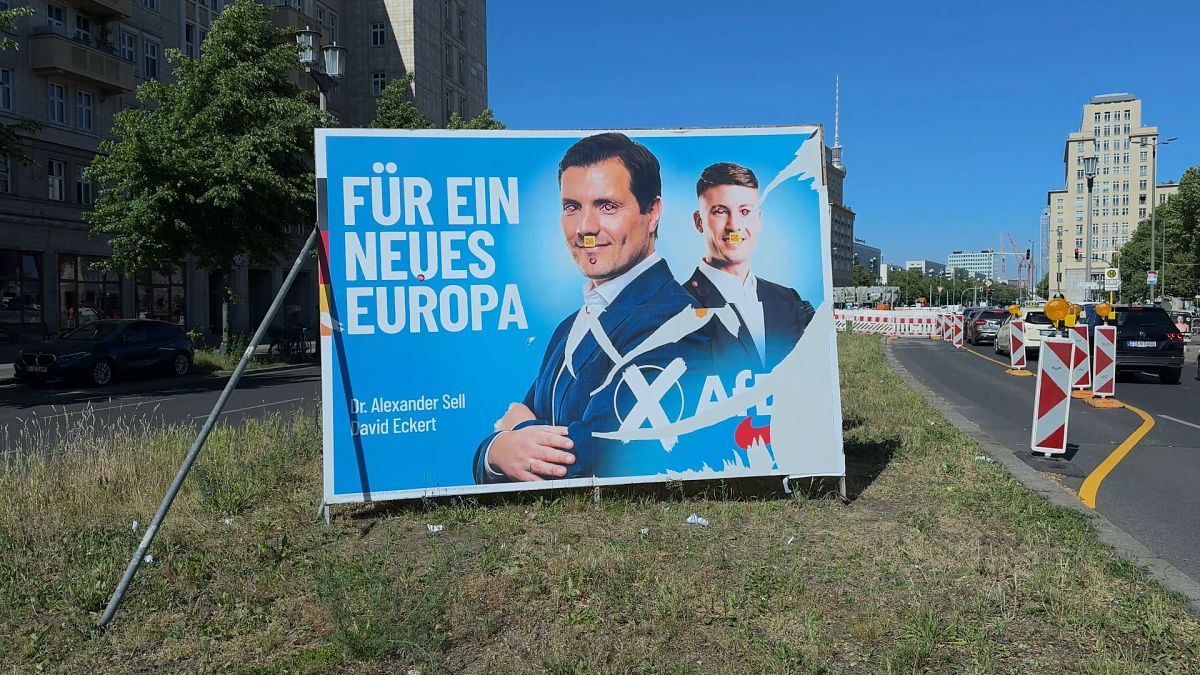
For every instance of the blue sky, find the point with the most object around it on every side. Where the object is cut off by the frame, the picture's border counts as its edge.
(953, 114)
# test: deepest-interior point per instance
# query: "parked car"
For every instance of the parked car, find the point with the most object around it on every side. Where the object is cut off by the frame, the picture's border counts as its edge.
(98, 351)
(984, 324)
(1037, 326)
(1148, 340)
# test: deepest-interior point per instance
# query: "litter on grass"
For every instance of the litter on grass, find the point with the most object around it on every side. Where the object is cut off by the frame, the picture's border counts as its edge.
(695, 519)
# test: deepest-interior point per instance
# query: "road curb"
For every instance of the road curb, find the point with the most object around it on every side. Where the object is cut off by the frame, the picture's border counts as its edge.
(1160, 570)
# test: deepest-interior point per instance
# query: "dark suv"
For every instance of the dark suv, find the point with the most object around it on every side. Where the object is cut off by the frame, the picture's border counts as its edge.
(1147, 340)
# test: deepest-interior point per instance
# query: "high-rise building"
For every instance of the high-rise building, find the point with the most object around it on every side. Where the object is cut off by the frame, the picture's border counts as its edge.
(982, 263)
(78, 63)
(1122, 192)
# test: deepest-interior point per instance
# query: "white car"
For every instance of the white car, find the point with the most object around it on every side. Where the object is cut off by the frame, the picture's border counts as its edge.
(1037, 326)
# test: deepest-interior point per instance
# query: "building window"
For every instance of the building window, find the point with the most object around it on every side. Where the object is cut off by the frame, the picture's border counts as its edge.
(58, 104)
(1079, 188)
(56, 172)
(449, 61)
(1107, 117)
(1142, 170)
(1097, 118)
(377, 34)
(83, 28)
(462, 24)
(203, 39)
(84, 293)
(85, 110)
(55, 16)
(1126, 128)
(378, 82)
(1141, 185)
(1079, 174)
(150, 60)
(1079, 242)
(5, 175)
(333, 27)
(160, 296)
(462, 68)
(1096, 134)
(189, 40)
(20, 287)
(449, 104)
(1058, 218)
(1060, 202)
(83, 187)
(6, 89)
(447, 16)
(150, 4)
(1144, 155)
(128, 46)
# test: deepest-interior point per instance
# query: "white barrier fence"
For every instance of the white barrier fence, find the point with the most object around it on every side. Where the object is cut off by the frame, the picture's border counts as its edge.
(898, 322)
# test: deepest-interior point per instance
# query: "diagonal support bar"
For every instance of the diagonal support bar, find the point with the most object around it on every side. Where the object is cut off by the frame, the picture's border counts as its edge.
(152, 530)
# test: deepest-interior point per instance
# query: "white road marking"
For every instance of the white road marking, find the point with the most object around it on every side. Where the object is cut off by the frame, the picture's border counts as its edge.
(250, 407)
(1173, 419)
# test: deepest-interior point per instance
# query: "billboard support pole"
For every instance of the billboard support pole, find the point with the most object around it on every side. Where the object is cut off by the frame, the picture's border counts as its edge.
(152, 530)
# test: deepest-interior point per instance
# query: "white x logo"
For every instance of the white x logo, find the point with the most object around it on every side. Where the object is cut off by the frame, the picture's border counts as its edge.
(648, 398)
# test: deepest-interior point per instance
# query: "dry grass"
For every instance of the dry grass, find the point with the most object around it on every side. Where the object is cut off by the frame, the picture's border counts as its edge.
(941, 563)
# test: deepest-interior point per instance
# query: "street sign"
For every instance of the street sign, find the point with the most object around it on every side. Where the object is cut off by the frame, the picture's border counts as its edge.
(1152, 277)
(1112, 279)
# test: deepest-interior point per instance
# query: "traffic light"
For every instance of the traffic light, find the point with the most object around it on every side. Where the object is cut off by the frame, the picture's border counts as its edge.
(1077, 255)
(1027, 253)
(989, 293)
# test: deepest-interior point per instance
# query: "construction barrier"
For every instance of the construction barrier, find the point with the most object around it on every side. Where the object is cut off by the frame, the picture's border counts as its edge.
(1016, 344)
(959, 327)
(897, 323)
(948, 328)
(1081, 375)
(1052, 397)
(1104, 362)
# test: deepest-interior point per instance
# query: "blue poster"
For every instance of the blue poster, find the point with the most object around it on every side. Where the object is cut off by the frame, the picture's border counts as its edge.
(511, 310)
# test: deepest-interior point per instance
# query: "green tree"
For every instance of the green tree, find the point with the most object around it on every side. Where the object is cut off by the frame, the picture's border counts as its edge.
(1043, 286)
(397, 110)
(10, 134)
(861, 276)
(1177, 251)
(214, 166)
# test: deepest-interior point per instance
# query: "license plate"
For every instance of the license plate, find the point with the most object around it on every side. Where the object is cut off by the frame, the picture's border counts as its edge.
(1143, 343)
(36, 369)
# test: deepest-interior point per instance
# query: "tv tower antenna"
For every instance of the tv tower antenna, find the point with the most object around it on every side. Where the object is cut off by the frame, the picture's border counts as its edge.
(837, 143)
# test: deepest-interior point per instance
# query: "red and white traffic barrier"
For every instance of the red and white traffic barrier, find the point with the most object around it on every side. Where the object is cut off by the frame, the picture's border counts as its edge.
(959, 326)
(947, 328)
(1052, 397)
(1104, 362)
(1016, 344)
(1081, 377)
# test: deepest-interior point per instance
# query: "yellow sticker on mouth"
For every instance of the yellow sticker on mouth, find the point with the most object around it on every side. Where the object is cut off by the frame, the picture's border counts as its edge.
(589, 240)
(735, 237)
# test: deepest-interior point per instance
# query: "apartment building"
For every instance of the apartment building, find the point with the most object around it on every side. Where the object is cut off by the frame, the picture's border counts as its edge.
(79, 62)
(1123, 190)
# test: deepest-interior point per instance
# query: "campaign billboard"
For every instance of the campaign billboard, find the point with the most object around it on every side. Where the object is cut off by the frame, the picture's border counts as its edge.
(511, 310)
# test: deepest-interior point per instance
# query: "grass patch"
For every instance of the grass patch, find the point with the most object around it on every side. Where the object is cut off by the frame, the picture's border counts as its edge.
(942, 563)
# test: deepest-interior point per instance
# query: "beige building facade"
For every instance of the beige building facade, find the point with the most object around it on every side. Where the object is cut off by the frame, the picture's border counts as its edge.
(78, 63)
(1124, 188)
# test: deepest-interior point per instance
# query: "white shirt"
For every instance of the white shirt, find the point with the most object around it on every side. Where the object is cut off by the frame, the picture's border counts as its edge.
(599, 297)
(743, 295)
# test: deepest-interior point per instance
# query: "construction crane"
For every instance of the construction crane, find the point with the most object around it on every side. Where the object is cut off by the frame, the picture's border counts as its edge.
(1024, 263)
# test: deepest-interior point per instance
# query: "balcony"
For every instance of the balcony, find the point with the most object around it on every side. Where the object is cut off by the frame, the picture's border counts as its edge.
(53, 53)
(103, 9)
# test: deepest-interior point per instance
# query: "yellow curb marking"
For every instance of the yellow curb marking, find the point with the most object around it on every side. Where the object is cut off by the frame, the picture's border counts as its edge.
(1087, 493)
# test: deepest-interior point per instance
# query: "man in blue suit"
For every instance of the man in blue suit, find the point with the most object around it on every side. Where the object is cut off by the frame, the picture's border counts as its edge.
(771, 317)
(611, 206)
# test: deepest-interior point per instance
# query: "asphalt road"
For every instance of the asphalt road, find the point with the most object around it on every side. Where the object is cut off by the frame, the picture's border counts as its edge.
(39, 416)
(1151, 494)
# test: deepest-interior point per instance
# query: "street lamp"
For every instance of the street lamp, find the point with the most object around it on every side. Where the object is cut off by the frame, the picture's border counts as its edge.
(1089, 172)
(332, 56)
(1153, 142)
